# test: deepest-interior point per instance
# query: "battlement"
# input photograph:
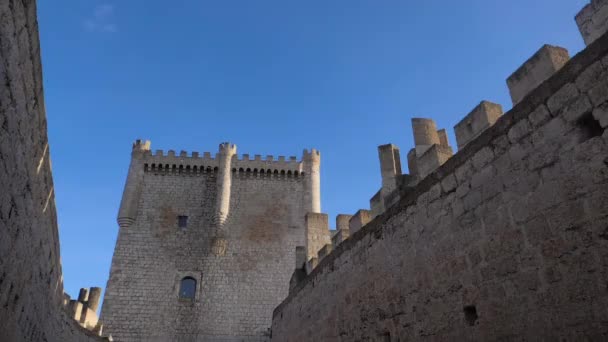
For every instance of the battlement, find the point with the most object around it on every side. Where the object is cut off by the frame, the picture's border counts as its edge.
(84, 309)
(592, 20)
(143, 145)
(313, 155)
(227, 148)
(196, 163)
(530, 175)
(537, 69)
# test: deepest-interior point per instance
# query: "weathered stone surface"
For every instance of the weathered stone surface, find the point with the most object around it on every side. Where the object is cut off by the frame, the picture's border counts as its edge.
(31, 285)
(478, 120)
(518, 254)
(562, 97)
(539, 116)
(240, 250)
(519, 130)
(590, 77)
(577, 108)
(482, 158)
(592, 20)
(542, 65)
(599, 93)
(601, 114)
(448, 184)
(360, 219)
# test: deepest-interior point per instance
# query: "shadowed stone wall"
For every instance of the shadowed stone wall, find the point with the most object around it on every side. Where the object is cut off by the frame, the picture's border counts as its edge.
(508, 240)
(31, 288)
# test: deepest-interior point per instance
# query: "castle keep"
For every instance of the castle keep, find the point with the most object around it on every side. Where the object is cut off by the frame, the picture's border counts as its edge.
(223, 224)
(504, 239)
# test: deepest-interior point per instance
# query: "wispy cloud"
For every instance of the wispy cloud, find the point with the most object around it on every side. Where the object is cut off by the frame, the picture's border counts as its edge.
(102, 19)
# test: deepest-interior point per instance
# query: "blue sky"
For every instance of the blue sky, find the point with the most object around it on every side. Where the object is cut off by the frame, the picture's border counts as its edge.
(274, 77)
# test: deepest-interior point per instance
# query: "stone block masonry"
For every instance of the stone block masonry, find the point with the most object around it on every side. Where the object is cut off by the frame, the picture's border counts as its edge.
(542, 65)
(234, 226)
(31, 286)
(505, 241)
(592, 20)
(482, 117)
(317, 232)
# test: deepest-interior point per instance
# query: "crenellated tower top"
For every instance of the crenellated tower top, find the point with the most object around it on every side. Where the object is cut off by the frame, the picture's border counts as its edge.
(227, 149)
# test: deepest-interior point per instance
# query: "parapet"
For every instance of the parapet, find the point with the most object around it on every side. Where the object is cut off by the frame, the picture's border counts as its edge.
(433, 158)
(311, 264)
(443, 137)
(225, 148)
(342, 221)
(445, 181)
(425, 132)
(142, 145)
(195, 163)
(360, 219)
(592, 20)
(542, 65)
(313, 154)
(390, 166)
(300, 256)
(376, 204)
(431, 150)
(84, 309)
(324, 251)
(477, 121)
(317, 233)
(340, 236)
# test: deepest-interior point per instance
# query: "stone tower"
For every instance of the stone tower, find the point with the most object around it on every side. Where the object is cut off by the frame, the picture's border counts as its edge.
(206, 243)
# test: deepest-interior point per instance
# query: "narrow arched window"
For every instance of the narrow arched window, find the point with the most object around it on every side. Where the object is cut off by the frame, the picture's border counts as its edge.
(187, 288)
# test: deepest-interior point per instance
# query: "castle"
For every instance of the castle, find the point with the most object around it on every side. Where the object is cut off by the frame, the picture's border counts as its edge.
(209, 240)
(507, 239)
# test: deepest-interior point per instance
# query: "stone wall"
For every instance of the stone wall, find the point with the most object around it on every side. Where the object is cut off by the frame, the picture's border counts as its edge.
(31, 288)
(592, 20)
(508, 240)
(239, 281)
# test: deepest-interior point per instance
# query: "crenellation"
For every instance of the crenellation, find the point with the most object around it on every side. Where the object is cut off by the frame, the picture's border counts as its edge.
(342, 221)
(340, 236)
(592, 20)
(311, 264)
(487, 213)
(359, 220)
(83, 310)
(376, 204)
(537, 69)
(478, 120)
(443, 137)
(317, 233)
(159, 163)
(430, 151)
(448, 252)
(324, 251)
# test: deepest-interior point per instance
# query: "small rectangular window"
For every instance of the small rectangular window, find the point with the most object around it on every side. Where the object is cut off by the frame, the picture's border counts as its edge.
(182, 221)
